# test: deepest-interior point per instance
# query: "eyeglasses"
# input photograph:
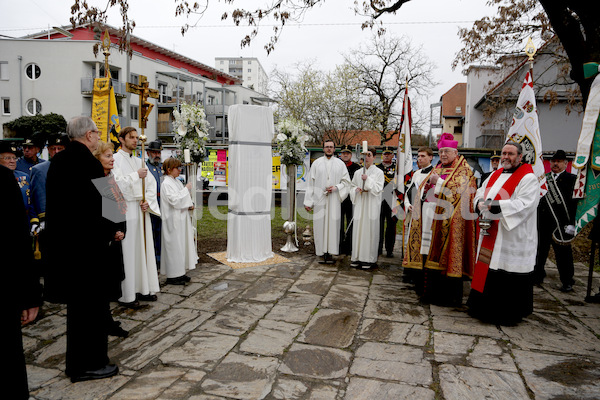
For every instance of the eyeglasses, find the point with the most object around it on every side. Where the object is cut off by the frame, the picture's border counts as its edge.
(10, 158)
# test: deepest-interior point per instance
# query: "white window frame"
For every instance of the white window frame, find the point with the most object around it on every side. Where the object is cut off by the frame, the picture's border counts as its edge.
(35, 102)
(33, 66)
(4, 71)
(134, 111)
(5, 101)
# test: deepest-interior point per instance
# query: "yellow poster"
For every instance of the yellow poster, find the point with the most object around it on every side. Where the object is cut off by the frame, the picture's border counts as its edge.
(276, 171)
(208, 170)
(101, 105)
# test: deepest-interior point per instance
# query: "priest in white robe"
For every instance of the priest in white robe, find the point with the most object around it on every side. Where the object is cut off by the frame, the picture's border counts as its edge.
(366, 194)
(502, 287)
(178, 246)
(328, 186)
(141, 275)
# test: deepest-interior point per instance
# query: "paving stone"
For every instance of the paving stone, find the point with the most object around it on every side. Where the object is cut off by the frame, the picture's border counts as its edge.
(467, 383)
(210, 299)
(488, 353)
(392, 293)
(450, 346)
(148, 311)
(203, 350)
(294, 307)
(466, 325)
(335, 328)
(30, 344)
(267, 289)
(287, 270)
(315, 362)
(184, 386)
(313, 282)
(353, 277)
(551, 376)
(47, 328)
(53, 354)
(144, 355)
(393, 280)
(250, 274)
(38, 377)
(63, 389)
(323, 392)
(242, 377)
(360, 389)
(289, 389)
(206, 273)
(147, 385)
(392, 362)
(553, 332)
(181, 319)
(346, 297)
(270, 338)
(236, 318)
(398, 332)
(394, 311)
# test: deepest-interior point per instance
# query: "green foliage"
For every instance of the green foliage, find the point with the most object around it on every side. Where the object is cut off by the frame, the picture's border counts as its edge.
(24, 127)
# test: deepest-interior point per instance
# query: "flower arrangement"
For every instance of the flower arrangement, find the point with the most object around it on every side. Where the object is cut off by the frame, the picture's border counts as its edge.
(291, 139)
(191, 131)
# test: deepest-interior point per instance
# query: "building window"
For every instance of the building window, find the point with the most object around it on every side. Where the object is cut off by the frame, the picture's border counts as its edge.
(134, 79)
(33, 71)
(5, 106)
(210, 100)
(458, 109)
(34, 107)
(162, 93)
(249, 62)
(249, 78)
(134, 112)
(3, 70)
(249, 69)
(221, 62)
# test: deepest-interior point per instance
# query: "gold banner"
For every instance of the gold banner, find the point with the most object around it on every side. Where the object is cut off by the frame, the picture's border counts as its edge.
(114, 118)
(101, 105)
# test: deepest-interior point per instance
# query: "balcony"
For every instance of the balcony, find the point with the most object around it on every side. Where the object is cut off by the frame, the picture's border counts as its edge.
(490, 139)
(219, 109)
(87, 87)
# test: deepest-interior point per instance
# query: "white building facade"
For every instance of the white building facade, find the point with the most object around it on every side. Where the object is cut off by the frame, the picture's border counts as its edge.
(248, 69)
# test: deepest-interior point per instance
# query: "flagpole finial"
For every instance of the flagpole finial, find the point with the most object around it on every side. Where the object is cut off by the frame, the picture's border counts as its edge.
(530, 49)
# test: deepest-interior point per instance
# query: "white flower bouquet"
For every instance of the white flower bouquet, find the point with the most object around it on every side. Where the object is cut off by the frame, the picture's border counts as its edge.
(191, 131)
(291, 139)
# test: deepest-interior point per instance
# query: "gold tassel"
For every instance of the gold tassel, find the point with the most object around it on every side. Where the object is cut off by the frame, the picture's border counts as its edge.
(37, 254)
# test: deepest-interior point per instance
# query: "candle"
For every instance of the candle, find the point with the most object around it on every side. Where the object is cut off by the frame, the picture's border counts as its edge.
(365, 147)
(186, 155)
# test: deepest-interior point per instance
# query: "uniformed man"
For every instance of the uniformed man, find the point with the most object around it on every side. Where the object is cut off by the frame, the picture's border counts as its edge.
(387, 219)
(155, 167)
(31, 150)
(8, 158)
(346, 230)
(495, 162)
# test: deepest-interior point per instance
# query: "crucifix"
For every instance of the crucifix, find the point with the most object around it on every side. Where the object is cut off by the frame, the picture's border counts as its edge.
(144, 92)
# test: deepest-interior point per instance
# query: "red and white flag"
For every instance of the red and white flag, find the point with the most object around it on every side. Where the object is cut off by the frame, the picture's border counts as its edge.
(525, 129)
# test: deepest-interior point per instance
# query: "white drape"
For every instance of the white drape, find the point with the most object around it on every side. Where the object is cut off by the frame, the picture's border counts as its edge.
(250, 180)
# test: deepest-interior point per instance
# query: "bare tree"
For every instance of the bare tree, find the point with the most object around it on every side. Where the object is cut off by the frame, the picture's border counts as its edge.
(386, 66)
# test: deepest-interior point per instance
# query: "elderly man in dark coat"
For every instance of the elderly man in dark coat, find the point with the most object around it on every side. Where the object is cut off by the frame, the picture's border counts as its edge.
(78, 276)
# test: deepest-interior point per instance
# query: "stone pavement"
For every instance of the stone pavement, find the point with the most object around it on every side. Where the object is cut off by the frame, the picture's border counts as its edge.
(302, 330)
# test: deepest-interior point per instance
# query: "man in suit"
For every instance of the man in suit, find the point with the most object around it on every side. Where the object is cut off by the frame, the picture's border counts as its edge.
(78, 274)
(346, 231)
(556, 219)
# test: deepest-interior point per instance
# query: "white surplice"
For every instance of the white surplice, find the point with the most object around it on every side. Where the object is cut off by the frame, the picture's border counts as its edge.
(141, 275)
(515, 248)
(178, 252)
(327, 208)
(367, 207)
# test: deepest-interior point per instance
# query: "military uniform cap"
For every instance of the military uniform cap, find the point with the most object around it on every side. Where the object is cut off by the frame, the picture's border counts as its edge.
(495, 156)
(7, 147)
(58, 139)
(347, 148)
(387, 149)
(155, 145)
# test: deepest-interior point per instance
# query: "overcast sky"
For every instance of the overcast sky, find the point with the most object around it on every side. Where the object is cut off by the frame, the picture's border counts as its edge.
(324, 34)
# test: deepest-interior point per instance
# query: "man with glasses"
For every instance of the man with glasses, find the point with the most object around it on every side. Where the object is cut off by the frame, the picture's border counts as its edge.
(78, 273)
(328, 185)
(31, 150)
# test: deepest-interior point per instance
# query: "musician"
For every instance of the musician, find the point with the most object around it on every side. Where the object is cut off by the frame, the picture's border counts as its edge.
(555, 220)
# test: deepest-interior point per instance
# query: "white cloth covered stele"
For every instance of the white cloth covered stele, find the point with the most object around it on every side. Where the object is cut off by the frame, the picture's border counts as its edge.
(250, 174)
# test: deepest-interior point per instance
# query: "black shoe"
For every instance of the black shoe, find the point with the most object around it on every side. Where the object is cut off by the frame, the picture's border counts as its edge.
(186, 278)
(389, 255)
(116, 330)
(176, 281)
(355, 264)
(105, 372)
(134, 305)
(146, 297)
(566, 288)
(593, 298)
